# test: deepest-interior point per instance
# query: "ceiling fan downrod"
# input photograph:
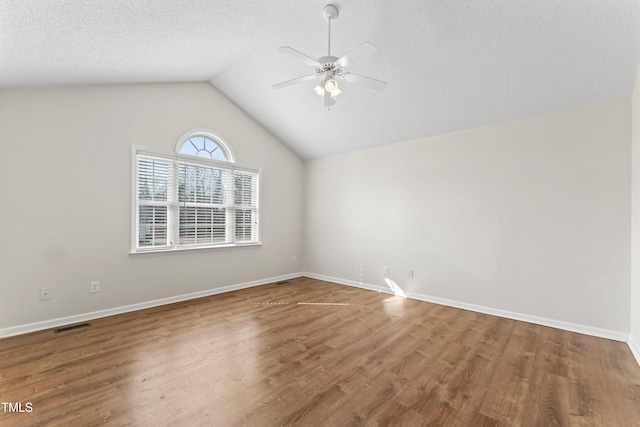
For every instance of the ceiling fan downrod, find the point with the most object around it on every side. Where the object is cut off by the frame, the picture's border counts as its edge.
(329, 12)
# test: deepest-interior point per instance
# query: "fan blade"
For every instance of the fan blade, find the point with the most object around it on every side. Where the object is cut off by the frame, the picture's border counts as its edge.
(299, 56)
(294, 81)
(365, 81)
(364, 49)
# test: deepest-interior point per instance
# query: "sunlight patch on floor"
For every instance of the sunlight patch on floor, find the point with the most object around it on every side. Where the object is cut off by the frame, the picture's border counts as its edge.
(322, 303)
(397, 290)
(299, 303)
(394, 306)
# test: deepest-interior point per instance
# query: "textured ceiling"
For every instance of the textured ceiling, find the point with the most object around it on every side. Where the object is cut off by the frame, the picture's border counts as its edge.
(450, 64)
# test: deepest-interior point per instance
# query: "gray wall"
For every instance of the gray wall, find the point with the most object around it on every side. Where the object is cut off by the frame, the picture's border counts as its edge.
(65, 186)
(635, 224)
(530, 217)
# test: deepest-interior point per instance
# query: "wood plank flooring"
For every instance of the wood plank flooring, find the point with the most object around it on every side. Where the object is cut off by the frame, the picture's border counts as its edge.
(312, 353)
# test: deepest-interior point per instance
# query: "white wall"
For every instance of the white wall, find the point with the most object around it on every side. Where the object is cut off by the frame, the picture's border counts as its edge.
(635, 224)
(530, 216)
(65, 198)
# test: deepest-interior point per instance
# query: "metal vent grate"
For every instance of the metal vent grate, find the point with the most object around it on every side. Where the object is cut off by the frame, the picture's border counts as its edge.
(69, 328)
(282, 282)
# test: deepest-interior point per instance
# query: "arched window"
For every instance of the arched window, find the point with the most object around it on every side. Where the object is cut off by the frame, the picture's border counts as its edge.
(206, 144)
(197, 198)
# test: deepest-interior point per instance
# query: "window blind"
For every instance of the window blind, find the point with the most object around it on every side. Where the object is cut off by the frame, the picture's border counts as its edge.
(246, 206)
(185, 202)
(153, 202)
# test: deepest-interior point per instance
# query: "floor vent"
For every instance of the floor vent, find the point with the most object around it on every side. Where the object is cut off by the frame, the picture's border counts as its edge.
(69, 328)
(282, 282)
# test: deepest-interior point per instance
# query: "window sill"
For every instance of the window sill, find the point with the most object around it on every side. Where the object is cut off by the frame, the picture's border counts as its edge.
(153, 252)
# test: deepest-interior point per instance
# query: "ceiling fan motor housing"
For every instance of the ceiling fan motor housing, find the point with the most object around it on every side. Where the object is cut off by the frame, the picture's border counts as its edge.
(328, 65)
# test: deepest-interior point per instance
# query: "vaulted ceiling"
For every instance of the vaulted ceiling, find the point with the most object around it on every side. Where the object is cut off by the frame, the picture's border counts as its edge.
(450, 64)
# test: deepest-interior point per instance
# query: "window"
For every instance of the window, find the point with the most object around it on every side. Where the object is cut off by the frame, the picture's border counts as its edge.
(193, 200)
(203, 146)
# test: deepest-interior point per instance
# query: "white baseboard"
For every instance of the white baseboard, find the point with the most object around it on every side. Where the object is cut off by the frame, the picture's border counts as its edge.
(558, 324)
(635, 349)
(48, 324)
(587, 330)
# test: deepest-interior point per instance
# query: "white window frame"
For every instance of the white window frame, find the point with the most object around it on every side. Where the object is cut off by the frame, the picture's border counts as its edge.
(173, 204)
(218, 139)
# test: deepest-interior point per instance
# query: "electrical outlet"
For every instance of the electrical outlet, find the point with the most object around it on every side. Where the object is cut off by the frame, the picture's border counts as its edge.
(386, 270)
(45, 294)
(95, 287)
(294, 259)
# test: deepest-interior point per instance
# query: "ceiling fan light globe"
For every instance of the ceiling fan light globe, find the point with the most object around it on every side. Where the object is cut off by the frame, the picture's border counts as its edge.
(319, 89)
(330, 85)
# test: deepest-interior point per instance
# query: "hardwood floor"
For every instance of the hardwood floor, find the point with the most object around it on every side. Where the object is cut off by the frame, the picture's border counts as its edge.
(312, 353)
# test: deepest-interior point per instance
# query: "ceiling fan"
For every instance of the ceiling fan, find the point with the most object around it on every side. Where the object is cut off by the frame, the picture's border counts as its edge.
(328, 68)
